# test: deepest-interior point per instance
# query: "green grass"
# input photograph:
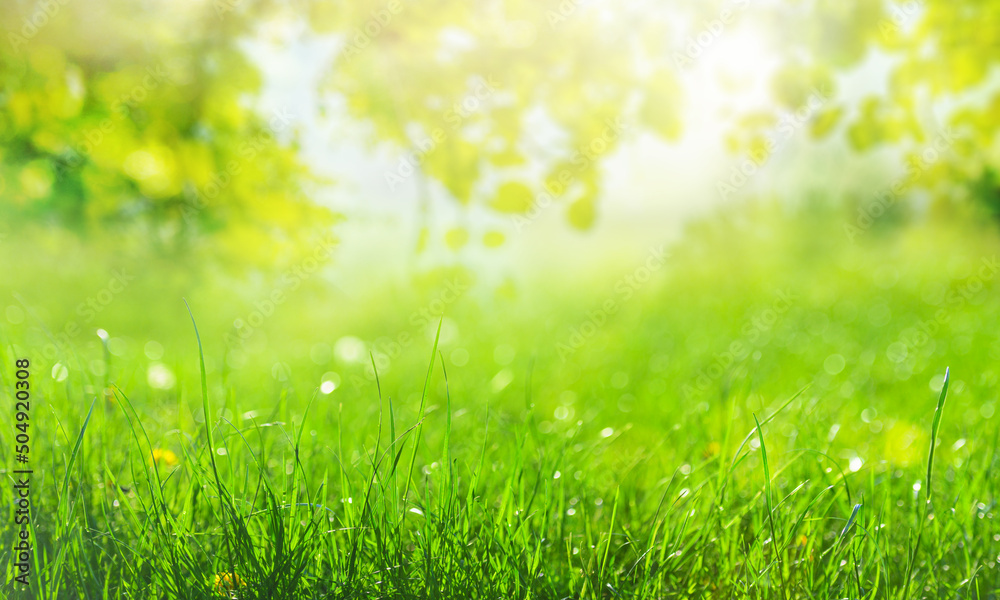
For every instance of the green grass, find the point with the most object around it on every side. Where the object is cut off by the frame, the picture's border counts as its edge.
(476, 463)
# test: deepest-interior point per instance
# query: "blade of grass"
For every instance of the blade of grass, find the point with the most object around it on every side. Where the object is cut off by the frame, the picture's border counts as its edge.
(935, 425)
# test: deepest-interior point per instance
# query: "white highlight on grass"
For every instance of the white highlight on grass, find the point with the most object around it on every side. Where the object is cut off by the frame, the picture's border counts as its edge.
(501, 380)
(59, 372)
(159, 376)
(330, 378)
(349, 349)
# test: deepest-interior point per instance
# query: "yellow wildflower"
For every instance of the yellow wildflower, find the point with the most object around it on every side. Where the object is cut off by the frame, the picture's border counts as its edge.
(711, 450)
(227, 583)
(165, 458)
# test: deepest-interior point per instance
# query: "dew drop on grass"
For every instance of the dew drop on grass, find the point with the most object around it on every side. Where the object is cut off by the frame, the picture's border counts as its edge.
(15, 315)
(834, 364)
(59, 372)
(619, 380)
(607, 432)
(349, 349)
(160, 376)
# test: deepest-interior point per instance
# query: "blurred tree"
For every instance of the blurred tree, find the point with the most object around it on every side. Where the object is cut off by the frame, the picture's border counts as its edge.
(941, 101)
(142, 113)
(466, 91)
(510, 105)
(137, 118)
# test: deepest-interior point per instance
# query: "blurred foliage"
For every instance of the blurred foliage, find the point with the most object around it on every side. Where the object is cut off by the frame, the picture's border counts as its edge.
(143, 113)
(137, 119)
(410, 68)
(940, 106)
(462, 88)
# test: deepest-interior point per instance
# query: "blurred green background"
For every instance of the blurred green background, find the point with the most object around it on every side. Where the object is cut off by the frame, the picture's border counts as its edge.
(645, 221)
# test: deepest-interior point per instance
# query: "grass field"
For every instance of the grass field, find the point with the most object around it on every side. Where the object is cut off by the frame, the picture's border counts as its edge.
(760, 410)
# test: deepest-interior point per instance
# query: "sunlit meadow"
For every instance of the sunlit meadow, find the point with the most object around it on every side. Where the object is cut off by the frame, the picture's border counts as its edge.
(537, 300)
